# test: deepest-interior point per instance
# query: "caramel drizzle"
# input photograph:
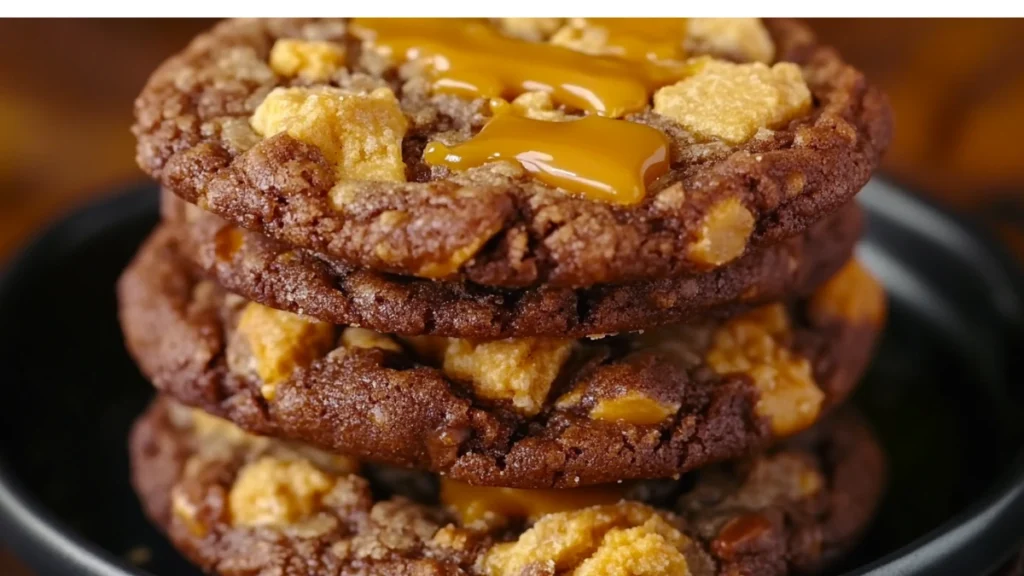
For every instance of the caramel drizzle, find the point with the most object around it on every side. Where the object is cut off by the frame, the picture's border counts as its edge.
(472, 59)
(602, 159)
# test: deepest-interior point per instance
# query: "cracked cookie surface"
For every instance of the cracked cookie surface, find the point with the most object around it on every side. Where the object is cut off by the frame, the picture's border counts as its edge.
(313, 185)
(530, 412)
(238, 504)
(301, 281)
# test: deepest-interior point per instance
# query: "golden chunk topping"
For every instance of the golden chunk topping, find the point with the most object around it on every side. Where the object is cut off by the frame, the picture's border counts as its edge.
(723, 233)
(353, 337)
(274, 492)
(314, 61)
(636, 39)
(272, 344)
(475, 60)
(627, 538)
(634, 408)
(752, 344)
(852, 295)
(731, 102)
(359, 133)
(598, 158)
(532, 29)
(489, 506)
(744, 39)
(520, 370)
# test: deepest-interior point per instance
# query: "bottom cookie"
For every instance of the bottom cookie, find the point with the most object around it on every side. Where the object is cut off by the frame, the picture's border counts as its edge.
(238, 504)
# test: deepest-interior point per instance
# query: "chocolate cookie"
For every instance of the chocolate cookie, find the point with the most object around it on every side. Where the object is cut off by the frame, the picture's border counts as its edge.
(276, 275)
(528, 412)
(306, 131)
(237, 504)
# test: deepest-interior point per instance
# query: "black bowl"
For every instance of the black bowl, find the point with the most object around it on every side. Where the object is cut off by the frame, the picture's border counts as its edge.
(944, 395)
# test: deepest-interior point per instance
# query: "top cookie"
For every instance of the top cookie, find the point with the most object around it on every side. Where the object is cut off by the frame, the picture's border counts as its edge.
(592, 151)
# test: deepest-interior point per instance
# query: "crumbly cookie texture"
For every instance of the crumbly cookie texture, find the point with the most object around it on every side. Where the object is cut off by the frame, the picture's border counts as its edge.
(244, 506)
(359, 133)
(272, 344)
(732, 102)
(487, 225)
(310, 60)
(744, 39)
(520, 370)
(625, 538)
(851, 295)
(275, 492)
(754, 344)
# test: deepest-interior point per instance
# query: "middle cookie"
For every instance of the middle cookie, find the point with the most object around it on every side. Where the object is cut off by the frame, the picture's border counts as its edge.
(301, 281)
(528, 412)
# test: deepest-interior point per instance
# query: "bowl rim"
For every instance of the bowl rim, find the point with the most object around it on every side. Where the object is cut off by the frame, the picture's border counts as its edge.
(46, 542)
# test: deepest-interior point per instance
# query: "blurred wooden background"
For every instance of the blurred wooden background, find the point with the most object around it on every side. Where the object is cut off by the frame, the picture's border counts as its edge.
(957, 87)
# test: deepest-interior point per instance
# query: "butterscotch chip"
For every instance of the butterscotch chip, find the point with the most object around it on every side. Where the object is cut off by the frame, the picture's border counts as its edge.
(310, 60)
(533, 29)
(273, 344)
(743, 39)
(539, 106)
(723, 234)
(353, 337)
(447, 267)
(751, 344)
(596, 540)
(490, 506)
(639, 551)
(582, 38)
(852, 295)
(357, 132)
(731, 102)
(272, 492)
(520, 370)
(634, 408)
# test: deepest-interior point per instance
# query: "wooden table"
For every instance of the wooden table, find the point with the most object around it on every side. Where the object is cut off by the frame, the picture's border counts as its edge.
(957, 88)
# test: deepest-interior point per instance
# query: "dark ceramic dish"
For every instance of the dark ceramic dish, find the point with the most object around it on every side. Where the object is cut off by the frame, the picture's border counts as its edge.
(944, 394)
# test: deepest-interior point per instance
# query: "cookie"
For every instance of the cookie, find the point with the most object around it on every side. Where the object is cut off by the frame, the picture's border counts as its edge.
(276, 275)
(237, 504)
(528, 412)
(307, 132)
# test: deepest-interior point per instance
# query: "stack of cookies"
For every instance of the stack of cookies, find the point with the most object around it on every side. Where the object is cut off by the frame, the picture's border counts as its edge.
(506, 297)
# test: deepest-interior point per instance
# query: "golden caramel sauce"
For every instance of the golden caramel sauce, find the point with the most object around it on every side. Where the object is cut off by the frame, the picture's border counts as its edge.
(639, 39)
(473, 59)
(475, 503)
(598, 158)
